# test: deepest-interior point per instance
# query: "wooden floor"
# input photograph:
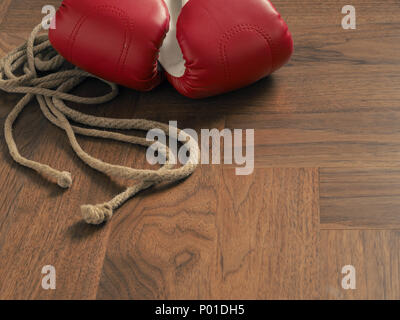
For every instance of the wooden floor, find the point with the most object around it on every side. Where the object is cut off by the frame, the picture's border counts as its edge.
(325, 192)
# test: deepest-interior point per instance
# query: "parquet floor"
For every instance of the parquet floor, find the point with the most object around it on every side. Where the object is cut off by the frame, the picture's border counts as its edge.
(325, 192)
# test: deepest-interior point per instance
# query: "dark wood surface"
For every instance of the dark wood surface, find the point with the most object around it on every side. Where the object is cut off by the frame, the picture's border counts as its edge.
(365, 198)
(373, 253)
(219, 236)
(325, 192)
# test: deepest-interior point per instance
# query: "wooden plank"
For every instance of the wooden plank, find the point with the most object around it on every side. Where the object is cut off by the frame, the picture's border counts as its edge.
(334, 104)
(9, 41)
(360, 198)
(373, 253)
(23, 15)
(40, 224)
(219, 236)
(348, 139)
(4, 4)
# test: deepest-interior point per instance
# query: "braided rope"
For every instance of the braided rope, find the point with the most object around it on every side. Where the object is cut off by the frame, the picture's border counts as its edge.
(51, 91)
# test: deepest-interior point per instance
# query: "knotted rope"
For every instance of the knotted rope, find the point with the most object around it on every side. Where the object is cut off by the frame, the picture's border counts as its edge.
(51, 90)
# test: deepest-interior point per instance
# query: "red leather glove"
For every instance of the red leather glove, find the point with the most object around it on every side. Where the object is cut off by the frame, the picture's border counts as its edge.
(117, 40)
(212, 46)
(215, 46)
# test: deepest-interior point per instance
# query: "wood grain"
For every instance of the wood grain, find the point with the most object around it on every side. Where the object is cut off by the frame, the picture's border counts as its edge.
(360, 198)
(373, 253)
(4, 4)
(335, 107)
(235, 237)
(23, 15)
(40, 224)
(336, 103)
(351, 139)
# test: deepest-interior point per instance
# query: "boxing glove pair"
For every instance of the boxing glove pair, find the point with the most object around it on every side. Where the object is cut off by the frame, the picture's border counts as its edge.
(205, 47)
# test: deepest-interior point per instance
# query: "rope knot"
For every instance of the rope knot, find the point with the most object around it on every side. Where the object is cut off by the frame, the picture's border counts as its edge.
(96, 214)
(64, 180)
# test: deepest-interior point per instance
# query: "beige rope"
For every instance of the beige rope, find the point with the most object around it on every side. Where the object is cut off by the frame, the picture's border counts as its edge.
(51, 90)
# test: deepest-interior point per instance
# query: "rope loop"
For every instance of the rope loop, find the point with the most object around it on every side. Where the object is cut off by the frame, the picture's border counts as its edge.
(51, 91)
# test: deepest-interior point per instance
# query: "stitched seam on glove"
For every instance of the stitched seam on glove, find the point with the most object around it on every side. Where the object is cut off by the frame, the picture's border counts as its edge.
(116, 12)
(72, 36)
(127, 23)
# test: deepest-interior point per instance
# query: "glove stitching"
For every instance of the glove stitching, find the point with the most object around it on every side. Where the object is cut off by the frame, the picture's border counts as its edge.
(73, 35)
(115, 11)
(127, 25)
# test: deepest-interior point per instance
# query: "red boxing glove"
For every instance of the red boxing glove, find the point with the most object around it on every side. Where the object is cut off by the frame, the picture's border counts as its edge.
(210, 47)
(215, 46)
(116, 40)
